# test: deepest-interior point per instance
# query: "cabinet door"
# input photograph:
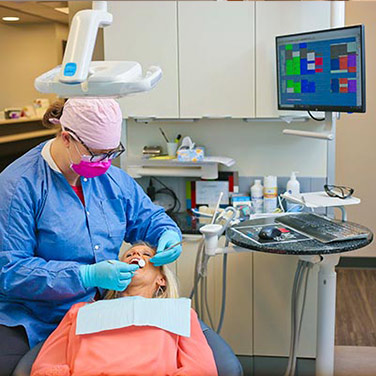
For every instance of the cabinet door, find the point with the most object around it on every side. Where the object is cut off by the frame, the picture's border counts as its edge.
(146, 31)
(216, 59)
(237, 328)
(237, 325)
(273, 281)
(279, 18)
(185, 264)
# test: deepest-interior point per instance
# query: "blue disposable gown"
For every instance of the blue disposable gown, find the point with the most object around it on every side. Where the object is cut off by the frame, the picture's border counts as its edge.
(46, 234)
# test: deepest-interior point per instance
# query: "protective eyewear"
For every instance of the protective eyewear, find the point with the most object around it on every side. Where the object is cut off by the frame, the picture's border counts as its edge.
(101, 156)
(338, 191)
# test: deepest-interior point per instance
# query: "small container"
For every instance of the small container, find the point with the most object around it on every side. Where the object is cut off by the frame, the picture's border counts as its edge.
(191, 155)
(152, 150)
(257, 196)
(270, 194)
(172, 147)
(293, 189)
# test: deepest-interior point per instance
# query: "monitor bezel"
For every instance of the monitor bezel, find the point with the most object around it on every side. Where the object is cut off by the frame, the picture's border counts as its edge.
(305, 107)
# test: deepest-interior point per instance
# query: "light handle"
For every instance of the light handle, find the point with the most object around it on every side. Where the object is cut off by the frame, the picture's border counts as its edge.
(81, 42)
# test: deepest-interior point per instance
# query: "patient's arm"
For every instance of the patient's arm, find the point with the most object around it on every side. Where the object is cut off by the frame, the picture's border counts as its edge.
(52, 359)
(194, 354)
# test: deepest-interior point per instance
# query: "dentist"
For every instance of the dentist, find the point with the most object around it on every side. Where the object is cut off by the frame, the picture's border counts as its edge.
(64, 212)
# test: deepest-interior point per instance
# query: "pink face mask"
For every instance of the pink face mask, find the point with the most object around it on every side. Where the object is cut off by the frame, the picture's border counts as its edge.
(89, 169)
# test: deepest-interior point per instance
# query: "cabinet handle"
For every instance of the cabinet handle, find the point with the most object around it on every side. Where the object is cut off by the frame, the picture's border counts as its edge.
(216, 116)
(143, 119)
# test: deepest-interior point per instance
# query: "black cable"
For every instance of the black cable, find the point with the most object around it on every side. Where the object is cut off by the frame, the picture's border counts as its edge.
(166, 190)
(171, 191)
(168, 193)
(315, 118)
(223, 305)
(151, 190)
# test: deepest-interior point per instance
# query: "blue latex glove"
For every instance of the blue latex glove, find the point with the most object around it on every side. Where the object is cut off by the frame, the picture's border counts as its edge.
(167, 239)
(110, 274)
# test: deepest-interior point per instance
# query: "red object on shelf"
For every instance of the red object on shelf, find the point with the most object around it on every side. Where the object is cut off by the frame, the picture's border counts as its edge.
(343, 89)
(351, 69)
(231, 183)
(343, 80)
(319, 70)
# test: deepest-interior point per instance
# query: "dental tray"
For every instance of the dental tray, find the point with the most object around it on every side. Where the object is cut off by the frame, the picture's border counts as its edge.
(288, 234)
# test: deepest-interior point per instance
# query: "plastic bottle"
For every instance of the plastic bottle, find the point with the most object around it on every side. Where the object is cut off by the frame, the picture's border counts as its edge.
(257, 196)
(293, 189)
(270, 194)
(293, 186)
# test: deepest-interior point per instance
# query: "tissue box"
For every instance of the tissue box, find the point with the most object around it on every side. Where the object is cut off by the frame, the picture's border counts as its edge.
(191, 155)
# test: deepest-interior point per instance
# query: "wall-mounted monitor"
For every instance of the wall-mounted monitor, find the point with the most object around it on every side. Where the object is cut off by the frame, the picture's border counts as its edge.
(322, 70)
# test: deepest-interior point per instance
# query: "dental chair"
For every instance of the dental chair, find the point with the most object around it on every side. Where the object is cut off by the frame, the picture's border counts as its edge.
(226, 361)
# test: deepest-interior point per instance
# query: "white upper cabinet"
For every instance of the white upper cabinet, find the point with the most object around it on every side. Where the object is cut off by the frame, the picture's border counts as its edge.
(146, 32)
(216, 59)
(278, 18)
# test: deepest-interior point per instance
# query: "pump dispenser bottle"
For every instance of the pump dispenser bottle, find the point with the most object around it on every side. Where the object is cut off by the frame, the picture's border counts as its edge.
(293, 186)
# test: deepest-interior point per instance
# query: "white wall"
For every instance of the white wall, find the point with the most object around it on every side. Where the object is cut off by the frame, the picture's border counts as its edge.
(259, 148)
(27, 50)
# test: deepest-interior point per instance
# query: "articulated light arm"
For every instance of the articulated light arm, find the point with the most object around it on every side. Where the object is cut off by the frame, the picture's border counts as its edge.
(80, 77)
(81, 42)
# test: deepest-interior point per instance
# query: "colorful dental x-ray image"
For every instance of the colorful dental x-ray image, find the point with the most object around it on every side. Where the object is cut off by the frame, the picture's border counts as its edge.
(320, 70)
(315, 67)
(343, 57)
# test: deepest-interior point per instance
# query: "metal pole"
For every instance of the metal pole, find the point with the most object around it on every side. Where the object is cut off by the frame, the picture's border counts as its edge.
(330, 122)
(337, 13)
(326, 316)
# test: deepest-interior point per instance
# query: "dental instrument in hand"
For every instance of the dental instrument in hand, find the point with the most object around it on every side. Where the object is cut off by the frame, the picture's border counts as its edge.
(173, 246)
(141, 263)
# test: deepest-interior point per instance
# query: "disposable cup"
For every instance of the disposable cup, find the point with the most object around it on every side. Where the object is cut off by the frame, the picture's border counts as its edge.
(172, 147)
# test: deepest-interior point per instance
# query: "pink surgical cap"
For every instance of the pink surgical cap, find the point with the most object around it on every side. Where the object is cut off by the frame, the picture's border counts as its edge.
(96, 121)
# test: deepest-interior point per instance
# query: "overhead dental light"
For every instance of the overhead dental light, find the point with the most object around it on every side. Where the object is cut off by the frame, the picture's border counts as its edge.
(78, 76)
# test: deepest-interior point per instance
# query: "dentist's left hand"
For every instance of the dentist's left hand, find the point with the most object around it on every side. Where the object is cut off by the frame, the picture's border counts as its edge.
(167, 239)
(111, 275)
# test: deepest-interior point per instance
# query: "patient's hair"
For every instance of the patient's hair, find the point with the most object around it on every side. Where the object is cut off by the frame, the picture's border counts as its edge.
(171, 289)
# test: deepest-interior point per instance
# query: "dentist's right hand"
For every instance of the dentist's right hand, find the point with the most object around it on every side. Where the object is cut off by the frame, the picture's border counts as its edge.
(110, 274)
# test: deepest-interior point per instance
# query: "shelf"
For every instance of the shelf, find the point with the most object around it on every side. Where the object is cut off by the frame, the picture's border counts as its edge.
(207, 169)
(20, 120)
(316, 200)
(27, 135)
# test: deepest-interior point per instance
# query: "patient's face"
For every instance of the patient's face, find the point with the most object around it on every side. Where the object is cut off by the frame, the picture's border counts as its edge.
(149, 275)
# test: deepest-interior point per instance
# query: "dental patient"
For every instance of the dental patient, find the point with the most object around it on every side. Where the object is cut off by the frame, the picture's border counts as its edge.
(133, 347)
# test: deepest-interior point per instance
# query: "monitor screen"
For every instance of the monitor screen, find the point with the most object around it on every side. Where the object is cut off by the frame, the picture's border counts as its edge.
(322, 70)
